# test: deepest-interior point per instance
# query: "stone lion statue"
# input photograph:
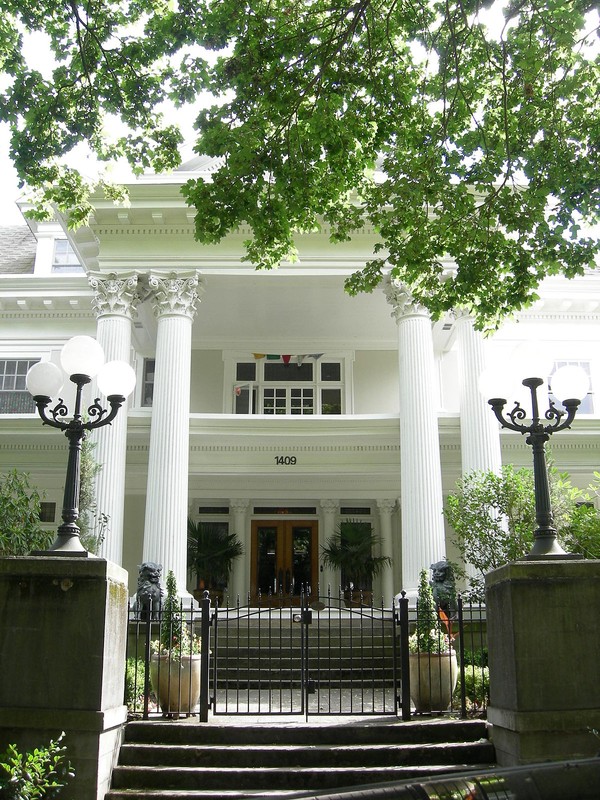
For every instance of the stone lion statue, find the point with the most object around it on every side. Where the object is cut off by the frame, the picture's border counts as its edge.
(443, 585)
(149, 592)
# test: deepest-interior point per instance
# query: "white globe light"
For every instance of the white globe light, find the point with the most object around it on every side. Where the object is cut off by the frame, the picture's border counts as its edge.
(570, 383)
(82, 355)
(44, 379)
(116, 378)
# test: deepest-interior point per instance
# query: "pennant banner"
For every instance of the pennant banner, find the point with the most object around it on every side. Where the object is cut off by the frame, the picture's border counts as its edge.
(299, 358)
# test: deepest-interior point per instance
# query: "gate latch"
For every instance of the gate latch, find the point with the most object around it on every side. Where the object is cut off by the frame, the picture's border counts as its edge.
(307, 616)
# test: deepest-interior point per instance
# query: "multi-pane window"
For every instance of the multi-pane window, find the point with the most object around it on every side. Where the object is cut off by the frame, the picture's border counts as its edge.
(274, 387)
(587, 404)
(148, 382)
(47, 512)
(14, 397)
(65, 258)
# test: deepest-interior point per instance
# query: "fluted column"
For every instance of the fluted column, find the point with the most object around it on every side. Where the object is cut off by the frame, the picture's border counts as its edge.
(328, 579)
(240, 573)
(479, 431)
(423, 539)
(386, 508)
(114, 304)
(174, 297)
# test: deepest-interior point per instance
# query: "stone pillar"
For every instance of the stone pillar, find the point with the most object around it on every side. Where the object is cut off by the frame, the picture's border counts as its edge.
(174, 297)
(114, 304)
(329, 580)
(479, 431)
(386, 508)
(423, 540)
(63, 633)
(240, 574)
(543, 631)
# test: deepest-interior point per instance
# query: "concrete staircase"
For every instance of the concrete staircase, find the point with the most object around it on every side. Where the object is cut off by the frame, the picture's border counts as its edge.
(179, 761)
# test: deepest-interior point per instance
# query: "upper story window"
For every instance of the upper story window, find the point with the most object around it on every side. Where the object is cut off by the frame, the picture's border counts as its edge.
(14, 397)
(65, 258)
(288, 385)
(148, 382)
(587, 404)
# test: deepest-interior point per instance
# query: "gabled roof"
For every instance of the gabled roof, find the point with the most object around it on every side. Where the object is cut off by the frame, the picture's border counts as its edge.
(17, 250)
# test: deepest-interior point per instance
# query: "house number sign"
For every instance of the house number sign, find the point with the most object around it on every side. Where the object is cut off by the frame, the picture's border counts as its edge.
(285, 461)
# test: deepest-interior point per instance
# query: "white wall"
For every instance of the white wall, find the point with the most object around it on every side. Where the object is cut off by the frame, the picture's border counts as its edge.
(376, 382)
(207, 382)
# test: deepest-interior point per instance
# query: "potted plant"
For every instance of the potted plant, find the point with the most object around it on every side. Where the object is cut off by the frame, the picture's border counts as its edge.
(351, 551)
(212, 549)
(175, 662)
(432, 660)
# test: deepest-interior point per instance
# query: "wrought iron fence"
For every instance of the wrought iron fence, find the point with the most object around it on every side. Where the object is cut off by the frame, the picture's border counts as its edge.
(305, 655)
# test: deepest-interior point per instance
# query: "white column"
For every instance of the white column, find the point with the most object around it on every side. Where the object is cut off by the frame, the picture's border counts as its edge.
(174, 298)
(423, 540)
(240, 573)
(479, 431)
(328, 578)
(388, 592)
(114, 304)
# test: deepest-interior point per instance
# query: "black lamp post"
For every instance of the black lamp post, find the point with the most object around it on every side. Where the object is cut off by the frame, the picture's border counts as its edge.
(44, 380)
(545, 543)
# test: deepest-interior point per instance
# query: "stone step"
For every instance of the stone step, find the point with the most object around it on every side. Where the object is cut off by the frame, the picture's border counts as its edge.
(441, 730)
(368, 755)
(261, 778)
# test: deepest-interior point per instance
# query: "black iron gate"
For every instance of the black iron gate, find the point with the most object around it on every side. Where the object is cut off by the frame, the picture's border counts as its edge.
(298, 656)
(318, 657)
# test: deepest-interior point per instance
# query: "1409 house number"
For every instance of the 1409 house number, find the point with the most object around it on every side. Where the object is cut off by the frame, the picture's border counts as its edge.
(285, 461)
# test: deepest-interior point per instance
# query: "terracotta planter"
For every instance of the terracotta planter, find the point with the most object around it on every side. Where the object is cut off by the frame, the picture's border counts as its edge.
(176, 683)
(433, 678)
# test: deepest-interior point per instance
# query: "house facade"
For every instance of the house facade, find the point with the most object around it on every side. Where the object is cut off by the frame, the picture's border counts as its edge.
(271, 403)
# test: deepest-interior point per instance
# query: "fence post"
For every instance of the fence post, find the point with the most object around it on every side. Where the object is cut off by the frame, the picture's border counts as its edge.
(404, 660)
(204, 656)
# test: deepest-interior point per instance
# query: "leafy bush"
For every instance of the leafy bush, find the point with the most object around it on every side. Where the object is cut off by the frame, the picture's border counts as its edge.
(20, 529)
(493, 517)
(135, 672)
(41, 773)
(477, 688)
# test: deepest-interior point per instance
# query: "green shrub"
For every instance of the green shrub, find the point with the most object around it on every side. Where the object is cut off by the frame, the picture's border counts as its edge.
(41, 773)
(477, 688)
(135, 673)
(20, 529)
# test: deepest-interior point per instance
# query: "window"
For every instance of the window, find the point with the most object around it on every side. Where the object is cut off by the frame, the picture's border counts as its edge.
(277, 387)
(148, 382)
(47, 512)
(587, 404)
(14, 397)
(65, 258)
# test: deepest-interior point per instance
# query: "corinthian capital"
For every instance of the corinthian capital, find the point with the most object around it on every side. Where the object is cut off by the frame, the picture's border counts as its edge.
(114, 294)
(175, 294)
(403, 303)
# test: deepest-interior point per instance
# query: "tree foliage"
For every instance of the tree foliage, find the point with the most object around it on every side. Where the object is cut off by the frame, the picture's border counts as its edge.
(93, 524)
(493, 518)
(20, 529)
(455, 142)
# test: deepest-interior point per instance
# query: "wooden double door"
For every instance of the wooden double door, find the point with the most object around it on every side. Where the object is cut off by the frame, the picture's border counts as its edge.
(285, 558)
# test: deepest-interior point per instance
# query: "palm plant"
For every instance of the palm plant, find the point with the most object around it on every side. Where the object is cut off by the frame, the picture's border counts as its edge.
(351, 550)
(211, 553)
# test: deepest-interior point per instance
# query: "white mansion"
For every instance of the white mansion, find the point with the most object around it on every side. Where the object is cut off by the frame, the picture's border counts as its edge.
(271, 402)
